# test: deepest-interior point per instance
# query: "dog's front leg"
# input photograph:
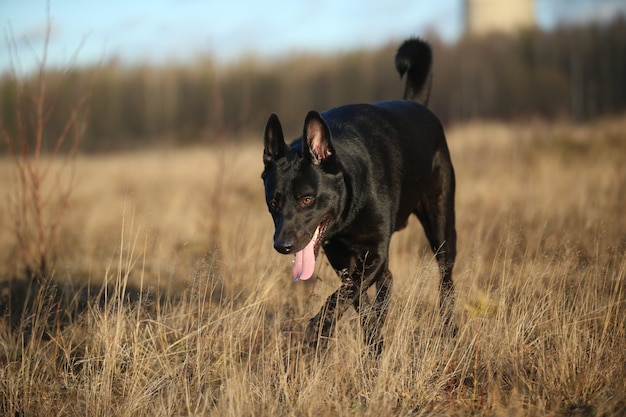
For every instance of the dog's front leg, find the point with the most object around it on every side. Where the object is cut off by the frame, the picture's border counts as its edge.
(322, 325)
(374, 319)
(354, 285)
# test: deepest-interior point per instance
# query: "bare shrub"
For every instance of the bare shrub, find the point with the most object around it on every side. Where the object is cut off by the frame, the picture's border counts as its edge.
(43, 159)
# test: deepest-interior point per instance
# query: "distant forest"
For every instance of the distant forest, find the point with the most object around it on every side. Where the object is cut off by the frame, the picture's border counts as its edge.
(576, 73)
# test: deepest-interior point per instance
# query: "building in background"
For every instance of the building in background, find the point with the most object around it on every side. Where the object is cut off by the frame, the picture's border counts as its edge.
(508, 16)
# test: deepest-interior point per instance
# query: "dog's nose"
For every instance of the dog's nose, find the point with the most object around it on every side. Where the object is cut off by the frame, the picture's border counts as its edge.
(283, 246)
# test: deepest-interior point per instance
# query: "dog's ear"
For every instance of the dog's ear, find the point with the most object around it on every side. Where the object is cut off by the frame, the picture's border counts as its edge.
(316, 136)
(275, 146)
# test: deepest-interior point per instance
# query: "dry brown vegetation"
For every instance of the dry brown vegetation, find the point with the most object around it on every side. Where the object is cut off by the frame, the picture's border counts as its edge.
(198, 315)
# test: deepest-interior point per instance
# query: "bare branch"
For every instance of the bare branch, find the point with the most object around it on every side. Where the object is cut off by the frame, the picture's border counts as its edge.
(38, 204)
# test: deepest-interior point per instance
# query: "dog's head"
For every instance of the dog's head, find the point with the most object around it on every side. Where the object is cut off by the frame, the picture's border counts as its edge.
(303, 188)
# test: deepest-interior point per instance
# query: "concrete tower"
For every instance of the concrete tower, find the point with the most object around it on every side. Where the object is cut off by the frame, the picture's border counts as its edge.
(508, 16)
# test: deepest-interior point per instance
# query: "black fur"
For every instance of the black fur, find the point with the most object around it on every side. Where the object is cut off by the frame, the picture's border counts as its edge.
(415, 58)
(356, 174)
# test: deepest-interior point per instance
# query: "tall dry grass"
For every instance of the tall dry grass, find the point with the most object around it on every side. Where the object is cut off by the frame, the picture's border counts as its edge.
(171, 301)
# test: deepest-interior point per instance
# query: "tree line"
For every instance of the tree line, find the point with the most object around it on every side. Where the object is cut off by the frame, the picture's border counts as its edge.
(575, 72)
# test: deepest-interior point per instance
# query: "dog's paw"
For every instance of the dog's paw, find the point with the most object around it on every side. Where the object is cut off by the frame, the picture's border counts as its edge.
(449, 329)
(312, 334)
(317, 334)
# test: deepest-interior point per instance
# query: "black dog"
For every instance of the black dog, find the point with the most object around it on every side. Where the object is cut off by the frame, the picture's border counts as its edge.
(351, 181)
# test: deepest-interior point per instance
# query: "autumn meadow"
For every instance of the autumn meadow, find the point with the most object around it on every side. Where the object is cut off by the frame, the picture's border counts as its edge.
(138, 277)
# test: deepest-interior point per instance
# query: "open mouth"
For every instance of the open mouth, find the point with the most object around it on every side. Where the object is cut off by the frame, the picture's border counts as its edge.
(304, 261)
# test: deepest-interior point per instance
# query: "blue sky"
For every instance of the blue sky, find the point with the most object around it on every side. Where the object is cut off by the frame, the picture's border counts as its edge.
(162, 30)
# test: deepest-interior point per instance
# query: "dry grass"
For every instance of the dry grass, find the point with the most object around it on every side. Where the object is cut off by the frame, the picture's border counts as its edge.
(199, 316)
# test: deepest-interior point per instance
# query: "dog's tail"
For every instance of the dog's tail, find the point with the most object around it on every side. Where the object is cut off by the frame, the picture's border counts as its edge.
(414, 58)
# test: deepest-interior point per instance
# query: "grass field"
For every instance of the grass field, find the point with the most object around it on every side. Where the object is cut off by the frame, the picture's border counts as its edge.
(171, 301)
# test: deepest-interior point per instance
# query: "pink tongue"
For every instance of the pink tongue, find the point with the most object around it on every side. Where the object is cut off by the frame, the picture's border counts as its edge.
(304, 264)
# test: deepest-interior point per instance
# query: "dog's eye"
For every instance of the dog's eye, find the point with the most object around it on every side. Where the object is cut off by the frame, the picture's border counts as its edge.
(273, 203)
(306, 201)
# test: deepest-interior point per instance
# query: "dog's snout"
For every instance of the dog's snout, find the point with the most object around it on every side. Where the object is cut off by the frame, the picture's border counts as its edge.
(283, 246)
